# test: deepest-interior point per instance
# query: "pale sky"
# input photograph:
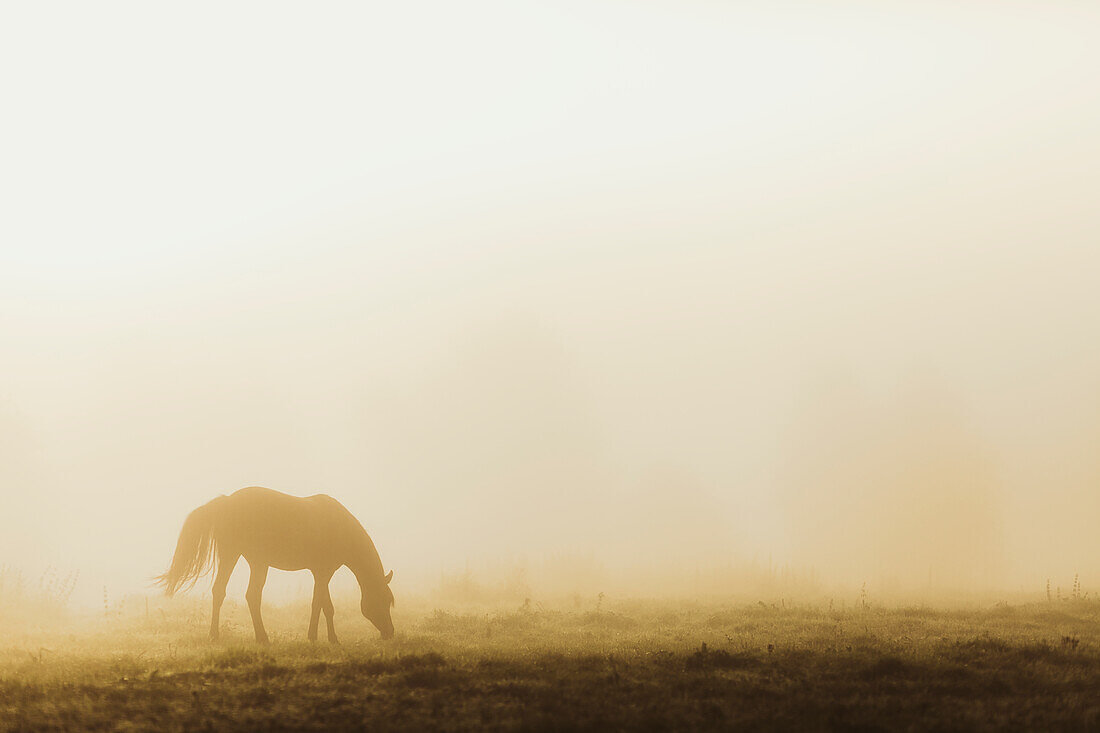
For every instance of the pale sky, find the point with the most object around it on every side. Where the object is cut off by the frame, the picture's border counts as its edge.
(521, 279)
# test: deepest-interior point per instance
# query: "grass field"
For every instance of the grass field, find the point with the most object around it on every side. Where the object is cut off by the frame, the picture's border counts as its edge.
(611, 665)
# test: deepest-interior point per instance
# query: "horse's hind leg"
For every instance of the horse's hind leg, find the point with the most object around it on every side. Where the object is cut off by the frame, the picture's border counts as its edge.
(254, 595)
(226, 563)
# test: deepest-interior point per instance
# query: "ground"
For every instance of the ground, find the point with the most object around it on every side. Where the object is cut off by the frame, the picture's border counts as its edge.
(602, 665)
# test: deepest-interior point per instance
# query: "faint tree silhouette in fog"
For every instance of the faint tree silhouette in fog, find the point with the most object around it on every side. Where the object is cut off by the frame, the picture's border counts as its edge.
(899, 491)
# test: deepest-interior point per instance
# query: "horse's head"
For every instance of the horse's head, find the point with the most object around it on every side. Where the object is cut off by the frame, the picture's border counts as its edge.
(376, 604)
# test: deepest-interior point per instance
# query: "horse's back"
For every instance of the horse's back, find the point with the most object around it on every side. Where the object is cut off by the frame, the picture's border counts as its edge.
(291, 530)
(262, 495)
(327, 503)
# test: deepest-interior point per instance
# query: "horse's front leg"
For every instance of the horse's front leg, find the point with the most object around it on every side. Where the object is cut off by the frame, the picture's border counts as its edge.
(254, 595)
(320, 582)
(321, 602)
(315, 611)
(329, 610)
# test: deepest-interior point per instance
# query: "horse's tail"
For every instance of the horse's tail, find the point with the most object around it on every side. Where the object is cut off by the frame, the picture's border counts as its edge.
(195, 551)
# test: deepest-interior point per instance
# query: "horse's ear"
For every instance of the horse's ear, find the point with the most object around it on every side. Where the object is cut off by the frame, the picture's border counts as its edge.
(389, 577)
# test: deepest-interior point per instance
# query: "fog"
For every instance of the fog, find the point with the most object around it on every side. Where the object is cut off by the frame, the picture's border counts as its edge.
(612, 294)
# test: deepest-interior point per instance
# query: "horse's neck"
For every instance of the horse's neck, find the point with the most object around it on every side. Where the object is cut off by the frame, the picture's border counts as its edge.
(364, 562)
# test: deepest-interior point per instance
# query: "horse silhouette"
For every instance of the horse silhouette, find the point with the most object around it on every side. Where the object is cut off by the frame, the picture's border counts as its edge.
(270, 529)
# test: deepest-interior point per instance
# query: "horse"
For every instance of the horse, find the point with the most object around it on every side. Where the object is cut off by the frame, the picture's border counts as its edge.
(270, 529)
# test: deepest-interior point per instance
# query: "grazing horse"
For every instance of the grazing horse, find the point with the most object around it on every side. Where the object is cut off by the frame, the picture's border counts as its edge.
(270, 529)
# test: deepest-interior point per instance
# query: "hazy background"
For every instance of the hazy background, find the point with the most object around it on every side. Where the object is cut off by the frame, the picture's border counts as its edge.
(603, 290)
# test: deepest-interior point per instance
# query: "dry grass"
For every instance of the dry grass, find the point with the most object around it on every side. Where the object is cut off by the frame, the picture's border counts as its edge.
(652, 665)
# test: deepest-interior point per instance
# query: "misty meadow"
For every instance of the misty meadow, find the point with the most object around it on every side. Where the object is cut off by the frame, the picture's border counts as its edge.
(549, 365)
(586, 662)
